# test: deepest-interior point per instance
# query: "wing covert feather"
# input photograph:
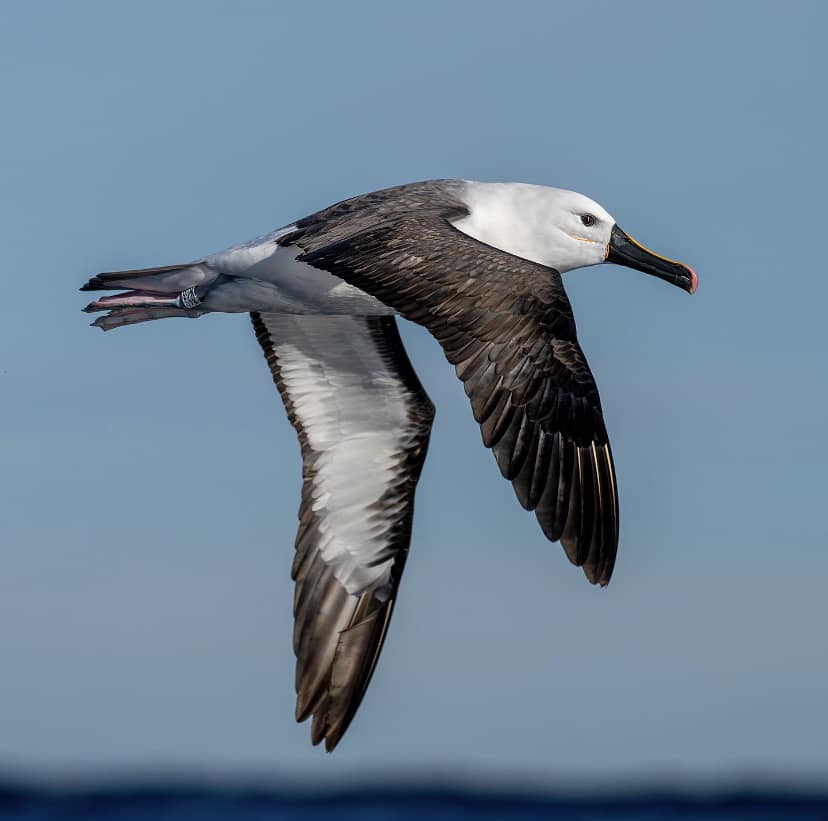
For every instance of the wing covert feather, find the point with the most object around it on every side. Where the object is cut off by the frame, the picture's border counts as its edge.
(507, 326)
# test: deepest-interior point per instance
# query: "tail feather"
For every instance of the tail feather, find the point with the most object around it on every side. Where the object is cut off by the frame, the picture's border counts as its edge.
(167, 279)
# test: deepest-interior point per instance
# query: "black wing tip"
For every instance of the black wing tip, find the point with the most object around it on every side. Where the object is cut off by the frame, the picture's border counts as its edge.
(321, 730)
(303, 711)
(333, 714)
(331, 742)
(597, 575)
(331, 736)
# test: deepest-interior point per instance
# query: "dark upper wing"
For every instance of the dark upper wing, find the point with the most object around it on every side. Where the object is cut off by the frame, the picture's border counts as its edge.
(363, 421)
(506, 325)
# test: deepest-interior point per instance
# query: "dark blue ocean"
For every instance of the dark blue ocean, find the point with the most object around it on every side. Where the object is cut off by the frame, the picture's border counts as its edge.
(204, 804)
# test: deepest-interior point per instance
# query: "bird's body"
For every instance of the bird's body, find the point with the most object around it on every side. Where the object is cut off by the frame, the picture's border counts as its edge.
(478, 264)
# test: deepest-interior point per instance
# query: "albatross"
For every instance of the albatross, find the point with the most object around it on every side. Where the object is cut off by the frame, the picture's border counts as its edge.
(478, 265)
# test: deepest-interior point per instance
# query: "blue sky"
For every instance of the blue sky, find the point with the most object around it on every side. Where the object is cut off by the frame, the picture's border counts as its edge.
(150, 479)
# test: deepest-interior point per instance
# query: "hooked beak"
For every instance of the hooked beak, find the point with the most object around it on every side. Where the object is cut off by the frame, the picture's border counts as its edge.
(624, 250)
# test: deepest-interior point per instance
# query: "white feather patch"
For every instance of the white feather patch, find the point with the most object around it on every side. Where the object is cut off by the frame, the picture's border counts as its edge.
(356, 416)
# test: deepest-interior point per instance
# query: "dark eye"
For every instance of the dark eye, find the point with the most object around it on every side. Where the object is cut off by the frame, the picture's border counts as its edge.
(588, 220)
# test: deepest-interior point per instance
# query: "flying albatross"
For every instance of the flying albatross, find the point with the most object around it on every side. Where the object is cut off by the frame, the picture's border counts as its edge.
(477, 264)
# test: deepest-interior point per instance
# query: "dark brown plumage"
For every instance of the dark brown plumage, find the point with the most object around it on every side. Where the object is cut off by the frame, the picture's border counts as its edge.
(506, 325)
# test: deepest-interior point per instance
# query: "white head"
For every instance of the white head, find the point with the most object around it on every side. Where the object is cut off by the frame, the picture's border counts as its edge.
(558, 228)
(552, 226)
